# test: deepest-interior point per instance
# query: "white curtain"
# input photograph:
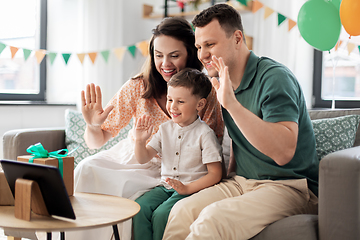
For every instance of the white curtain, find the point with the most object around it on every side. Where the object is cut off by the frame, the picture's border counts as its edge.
(84, 26)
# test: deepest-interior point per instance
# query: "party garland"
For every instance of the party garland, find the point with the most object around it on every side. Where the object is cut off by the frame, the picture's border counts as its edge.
(315, 32)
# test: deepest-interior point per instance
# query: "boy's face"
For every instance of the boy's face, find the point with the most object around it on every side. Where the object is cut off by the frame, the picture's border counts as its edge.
(183, 106)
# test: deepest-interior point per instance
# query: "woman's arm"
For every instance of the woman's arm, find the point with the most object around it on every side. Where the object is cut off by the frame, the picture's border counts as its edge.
(94, 116)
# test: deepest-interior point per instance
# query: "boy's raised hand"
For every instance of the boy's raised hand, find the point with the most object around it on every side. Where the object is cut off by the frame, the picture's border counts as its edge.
(91, 106)
(224, 89)
(143, 128)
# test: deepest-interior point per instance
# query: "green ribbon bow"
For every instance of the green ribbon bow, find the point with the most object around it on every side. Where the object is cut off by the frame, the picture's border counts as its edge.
(38, 151)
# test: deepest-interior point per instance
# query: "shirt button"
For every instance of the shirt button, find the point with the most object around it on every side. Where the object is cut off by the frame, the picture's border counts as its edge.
(177, 153)
(174, 168)
(179, 137)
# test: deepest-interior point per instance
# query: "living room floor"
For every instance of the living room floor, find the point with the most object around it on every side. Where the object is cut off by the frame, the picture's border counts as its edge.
(3, 237)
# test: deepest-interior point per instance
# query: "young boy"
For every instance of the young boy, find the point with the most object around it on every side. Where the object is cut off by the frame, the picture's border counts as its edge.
(190, 152)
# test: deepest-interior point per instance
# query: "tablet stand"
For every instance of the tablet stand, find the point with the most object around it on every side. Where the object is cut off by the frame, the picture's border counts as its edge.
(28, 197)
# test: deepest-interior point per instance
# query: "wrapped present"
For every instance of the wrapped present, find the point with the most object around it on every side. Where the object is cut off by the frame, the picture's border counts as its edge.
(6, 197)
(57, 159)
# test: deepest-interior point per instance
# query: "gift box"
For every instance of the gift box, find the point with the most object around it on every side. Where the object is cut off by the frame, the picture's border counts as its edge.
(57, 159)
(68, 169)
(6, 197)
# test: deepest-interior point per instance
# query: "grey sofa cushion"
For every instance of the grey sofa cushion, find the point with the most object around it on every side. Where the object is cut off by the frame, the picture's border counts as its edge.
(334, 134)
(297, 227)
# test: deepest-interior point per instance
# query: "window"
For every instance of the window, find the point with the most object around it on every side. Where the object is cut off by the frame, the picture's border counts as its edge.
(23, 26)
(341, 82)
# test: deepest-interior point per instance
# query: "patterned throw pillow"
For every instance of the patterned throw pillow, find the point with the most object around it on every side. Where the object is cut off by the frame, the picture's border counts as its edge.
(74, 136)
(333, 134)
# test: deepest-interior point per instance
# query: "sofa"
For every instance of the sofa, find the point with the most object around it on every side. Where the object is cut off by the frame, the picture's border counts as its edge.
(338, 147)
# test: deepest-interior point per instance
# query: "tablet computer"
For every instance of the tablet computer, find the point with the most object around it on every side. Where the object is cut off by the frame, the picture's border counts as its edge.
(49, 180)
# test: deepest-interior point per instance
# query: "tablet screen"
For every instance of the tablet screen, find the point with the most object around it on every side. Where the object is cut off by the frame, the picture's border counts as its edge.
(49, 180)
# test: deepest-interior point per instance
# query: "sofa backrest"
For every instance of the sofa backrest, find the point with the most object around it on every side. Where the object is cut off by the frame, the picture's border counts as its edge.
(329, 113)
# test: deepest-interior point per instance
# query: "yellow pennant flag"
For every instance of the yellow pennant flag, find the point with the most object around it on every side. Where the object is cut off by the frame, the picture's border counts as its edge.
(256, 6)
(350, 47)
(338, 45)
(81, 57)
(13, 51)
(40, 54)
(143, 47)
(119, 52)
(291, 24)
(92, 56)
(268, 12)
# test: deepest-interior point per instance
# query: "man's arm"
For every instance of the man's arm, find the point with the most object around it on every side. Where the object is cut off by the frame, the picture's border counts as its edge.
(276, 140)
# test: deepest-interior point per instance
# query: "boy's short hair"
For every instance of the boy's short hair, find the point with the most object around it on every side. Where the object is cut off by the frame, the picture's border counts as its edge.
(193, 79)
(227, 16)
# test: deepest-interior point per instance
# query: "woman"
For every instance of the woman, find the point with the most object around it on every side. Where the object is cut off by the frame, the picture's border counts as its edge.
(115, 171)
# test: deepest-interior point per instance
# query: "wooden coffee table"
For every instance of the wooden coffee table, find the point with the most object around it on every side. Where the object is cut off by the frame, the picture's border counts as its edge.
(91, 210)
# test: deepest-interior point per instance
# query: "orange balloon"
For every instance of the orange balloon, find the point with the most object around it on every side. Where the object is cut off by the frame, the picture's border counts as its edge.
(350, 16)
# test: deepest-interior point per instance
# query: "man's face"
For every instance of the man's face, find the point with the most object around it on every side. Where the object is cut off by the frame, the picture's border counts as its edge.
(211, 40)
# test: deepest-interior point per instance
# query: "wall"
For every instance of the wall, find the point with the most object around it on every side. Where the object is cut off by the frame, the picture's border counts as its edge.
(30, 116)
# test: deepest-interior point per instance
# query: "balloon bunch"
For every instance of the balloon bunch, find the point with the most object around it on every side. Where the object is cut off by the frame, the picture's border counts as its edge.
(319, 21)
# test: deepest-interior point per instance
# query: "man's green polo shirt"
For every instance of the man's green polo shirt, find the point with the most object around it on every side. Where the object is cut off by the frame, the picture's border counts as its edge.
(270, 90)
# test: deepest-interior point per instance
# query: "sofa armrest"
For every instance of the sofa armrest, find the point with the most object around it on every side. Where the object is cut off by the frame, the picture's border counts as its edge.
(339, 195)
(15, 142)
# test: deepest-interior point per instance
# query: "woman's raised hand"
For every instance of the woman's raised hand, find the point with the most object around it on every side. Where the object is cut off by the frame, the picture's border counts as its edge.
(91, 106)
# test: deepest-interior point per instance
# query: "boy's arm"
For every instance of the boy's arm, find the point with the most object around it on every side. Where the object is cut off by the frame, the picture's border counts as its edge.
(143, 153)
(211, 178)
(143, 130)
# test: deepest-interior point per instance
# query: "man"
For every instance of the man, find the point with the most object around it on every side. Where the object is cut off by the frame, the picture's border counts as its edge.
(273, 142)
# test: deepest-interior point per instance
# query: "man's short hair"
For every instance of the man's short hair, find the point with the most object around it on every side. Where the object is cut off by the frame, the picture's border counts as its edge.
(227, 16)
(193, 79)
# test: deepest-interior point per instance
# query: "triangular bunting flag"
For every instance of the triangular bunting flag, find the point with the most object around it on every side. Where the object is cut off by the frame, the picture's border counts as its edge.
(268, 12)
(13, 51)
(40, 54)
(143, 47)
(350, 47)
(66, 57)
(292, 24)
(281, 19)
(338, 45)
(27, 53)
(81, 57)
(92, 56)
(132, 50)
(243, 2)
(256, 6)
(2, 47)
(119, 53)
(52, 57)
(105, 55)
